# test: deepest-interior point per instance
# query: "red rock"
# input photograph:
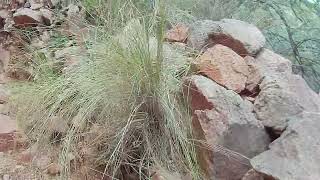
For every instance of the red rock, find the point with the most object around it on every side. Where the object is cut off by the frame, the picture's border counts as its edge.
(224, 66)
(228, 128)
(8, 127)
(25, 17)
(178, 33)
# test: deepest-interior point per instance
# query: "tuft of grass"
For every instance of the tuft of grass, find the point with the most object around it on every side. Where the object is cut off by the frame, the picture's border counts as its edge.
(127, 85)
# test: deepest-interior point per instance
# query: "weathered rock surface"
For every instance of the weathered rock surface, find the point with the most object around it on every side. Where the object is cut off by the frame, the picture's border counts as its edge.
(253, 175)
(242, 37)
(295, 155)
(25, 17)
(47, 16)
(223, 119)
(8, 127)
(224, 66)
(178, 33)
(283, 95)
(36, 4)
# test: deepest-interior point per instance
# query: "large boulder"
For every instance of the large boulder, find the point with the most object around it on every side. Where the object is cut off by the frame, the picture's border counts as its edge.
(25, 17)
(242, 37)
(224, 66)
(283, 95)
(295, 155)
(226, 123)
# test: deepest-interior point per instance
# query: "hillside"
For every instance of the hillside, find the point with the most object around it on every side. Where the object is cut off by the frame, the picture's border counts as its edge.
(160, 90)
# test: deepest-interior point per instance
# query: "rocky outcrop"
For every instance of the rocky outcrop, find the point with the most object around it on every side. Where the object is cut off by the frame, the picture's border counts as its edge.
(295, 155)
(282, 95)
(243, 38)
(4, 59)
(223, 119)
(224, 66)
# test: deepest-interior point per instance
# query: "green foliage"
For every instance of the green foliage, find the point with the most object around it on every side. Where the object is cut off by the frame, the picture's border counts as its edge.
(124, 85)
(57, 40)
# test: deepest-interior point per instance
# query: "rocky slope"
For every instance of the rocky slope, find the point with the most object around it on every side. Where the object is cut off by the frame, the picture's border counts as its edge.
(253, 117)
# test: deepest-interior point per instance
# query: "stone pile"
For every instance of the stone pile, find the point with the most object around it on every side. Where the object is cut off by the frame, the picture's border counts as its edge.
(256, 118)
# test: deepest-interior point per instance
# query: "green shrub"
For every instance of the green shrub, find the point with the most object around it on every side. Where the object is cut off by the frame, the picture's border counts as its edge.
(126, 85)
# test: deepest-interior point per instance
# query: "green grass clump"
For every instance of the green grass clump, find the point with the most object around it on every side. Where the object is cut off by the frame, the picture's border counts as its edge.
(126, 85)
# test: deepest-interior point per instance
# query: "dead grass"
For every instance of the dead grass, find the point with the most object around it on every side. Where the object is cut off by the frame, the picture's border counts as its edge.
(122, 85)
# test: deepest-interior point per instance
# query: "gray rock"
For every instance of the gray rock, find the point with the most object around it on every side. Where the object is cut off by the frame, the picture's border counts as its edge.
(283, 95)
(47, 16)
(53, 3)
(27, 5)
(73, 10)
(295, 155)
(223, 119)
(243, 38)
(36, 4)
